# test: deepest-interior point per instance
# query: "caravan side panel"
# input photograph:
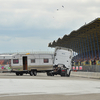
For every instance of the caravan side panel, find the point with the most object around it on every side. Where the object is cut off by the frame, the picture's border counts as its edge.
(41, 62)
(16, 63)
(5, 62)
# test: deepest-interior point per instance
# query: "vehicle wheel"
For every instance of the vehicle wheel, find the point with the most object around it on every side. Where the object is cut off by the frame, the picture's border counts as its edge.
(69, 74)
(52, 75)
(35, 73)
(21, 74)
(66, 73)
(62, 75)
(17, 74)
(48, 74)
(31, 73)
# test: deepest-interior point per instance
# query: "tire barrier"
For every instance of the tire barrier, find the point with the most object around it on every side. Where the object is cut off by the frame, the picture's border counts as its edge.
(91, 68)
(77, 68)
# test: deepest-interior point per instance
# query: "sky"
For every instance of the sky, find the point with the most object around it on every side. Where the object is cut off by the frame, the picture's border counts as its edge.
(29, 25)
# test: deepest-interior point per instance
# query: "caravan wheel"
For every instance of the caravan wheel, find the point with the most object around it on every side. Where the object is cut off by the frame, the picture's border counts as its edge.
(17, 73)
(48, 74)
(21, 74)
(35, 73)
(31, 73)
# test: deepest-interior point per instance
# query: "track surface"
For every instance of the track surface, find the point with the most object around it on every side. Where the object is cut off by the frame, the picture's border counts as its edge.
(42, 87)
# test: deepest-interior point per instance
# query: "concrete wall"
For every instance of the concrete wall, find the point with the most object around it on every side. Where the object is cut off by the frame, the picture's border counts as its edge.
(86, 74)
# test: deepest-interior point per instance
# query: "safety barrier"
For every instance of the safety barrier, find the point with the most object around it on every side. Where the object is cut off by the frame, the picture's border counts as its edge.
(91, 68)
(86, 74)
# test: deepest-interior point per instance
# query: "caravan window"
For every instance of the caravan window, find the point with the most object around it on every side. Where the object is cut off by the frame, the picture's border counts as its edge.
(32, 60)
(46, 60)
(5, 62)
(15, 61)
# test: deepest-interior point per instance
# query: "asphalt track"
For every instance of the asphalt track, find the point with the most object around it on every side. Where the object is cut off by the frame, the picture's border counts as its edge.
(42, 87)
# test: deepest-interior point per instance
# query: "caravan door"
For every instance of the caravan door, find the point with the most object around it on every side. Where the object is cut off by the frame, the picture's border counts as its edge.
(24, 62)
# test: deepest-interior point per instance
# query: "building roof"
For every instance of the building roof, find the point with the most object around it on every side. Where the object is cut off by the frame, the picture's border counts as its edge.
(82, 35)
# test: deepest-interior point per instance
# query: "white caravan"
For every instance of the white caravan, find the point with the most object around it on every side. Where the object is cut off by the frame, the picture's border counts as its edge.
(26, 63)
(33, 63)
